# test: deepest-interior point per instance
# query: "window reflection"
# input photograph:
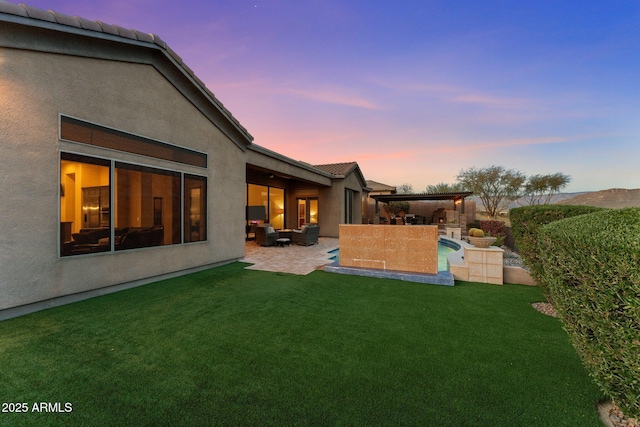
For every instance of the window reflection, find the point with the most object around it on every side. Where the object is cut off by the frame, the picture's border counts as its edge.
(85, 213)
(272, 199)
(147, 206)
(195, 206)
(276, 207)
(141, 221)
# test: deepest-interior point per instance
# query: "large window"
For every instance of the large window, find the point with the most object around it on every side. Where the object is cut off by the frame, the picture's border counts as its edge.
(195, 208)
(85, 200)
(348, 206)
(272, 199)
(147, 207)
(151, 206)
(90, 133)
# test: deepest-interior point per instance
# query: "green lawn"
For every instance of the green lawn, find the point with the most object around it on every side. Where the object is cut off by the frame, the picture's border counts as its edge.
(230, 346)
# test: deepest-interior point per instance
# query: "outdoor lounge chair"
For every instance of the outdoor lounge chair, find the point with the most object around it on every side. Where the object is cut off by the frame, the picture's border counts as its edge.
(266, 235)
(307, 235)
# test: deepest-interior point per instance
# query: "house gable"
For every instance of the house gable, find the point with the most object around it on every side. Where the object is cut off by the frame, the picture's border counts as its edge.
(170, 163)
(343, 170)
(29, 28)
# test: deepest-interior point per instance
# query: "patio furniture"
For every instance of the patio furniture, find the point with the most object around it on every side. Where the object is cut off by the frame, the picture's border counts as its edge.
(266, 235)
(283, 241)
(307, 235)
(285, 233)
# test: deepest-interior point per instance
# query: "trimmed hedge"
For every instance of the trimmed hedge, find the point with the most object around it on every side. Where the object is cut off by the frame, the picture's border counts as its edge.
(525, 225)
(591, 266)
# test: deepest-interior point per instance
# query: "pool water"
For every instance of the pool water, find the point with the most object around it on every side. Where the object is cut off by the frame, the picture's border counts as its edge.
(443, 250)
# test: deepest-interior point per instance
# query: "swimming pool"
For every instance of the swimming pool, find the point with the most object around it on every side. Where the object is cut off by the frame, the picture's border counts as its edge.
(444, 247)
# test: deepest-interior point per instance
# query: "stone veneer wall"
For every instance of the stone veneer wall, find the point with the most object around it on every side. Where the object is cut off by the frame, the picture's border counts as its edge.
(385, 247)
(485, 264)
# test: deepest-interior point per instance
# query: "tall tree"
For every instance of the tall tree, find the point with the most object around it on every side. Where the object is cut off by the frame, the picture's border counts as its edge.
(495, 186)
(444, 188)
(540, 189)
(394, 208)
(405, 188)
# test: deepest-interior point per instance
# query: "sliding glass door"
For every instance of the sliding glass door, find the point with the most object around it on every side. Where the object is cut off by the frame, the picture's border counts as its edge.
(307, 211)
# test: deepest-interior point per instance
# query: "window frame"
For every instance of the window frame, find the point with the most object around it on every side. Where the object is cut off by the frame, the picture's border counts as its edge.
(113, 161)
(349, 195)
(136, 141)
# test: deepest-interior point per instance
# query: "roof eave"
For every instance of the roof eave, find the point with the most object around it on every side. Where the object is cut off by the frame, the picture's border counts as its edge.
(422, 196)
(265, 151)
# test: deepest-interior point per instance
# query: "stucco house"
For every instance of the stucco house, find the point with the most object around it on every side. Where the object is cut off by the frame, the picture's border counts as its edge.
(118, 166)
(296, 193)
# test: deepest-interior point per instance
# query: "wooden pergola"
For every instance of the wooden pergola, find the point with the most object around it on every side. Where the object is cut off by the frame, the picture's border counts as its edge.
(457, 196)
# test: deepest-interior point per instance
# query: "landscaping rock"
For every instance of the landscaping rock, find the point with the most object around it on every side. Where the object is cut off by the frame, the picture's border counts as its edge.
(612, 416)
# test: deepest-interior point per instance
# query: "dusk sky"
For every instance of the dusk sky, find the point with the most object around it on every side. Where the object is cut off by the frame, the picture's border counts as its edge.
(415, 91)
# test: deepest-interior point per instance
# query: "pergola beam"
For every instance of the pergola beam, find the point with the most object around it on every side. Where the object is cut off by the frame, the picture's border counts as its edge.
(386, 198)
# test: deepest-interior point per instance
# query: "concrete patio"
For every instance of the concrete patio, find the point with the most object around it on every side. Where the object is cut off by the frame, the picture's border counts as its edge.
(292, 259)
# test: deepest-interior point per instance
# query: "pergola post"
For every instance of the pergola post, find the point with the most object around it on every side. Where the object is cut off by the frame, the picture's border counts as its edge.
(376, 214)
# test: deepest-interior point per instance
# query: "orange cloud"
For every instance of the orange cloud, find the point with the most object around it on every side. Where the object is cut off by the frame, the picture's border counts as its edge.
(458, 94)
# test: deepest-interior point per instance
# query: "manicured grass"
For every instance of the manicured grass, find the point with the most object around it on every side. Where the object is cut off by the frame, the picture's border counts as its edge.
(230, 346)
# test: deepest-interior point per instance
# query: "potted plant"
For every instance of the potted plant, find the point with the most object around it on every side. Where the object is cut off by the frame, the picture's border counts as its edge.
(478, 239)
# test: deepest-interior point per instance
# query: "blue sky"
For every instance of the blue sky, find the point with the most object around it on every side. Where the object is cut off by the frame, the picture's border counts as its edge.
(415, 91)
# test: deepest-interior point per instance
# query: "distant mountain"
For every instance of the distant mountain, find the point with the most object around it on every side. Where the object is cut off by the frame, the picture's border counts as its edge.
(556, 198)
(614, 198)
(524, 201)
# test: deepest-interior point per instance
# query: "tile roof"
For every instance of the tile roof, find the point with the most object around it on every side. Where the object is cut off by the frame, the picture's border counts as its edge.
(338, 168)
(25, 11)
(341, 170)
(377, 186)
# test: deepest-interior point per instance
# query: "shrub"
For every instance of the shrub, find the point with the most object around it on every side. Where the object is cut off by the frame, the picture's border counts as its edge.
(591, 267)
(499, 241)
(493, 228)
(474, 224)
(525, 224)
(396, 207)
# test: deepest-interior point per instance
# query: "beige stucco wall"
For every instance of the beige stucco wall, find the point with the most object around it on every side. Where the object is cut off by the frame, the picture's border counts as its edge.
(412, 249)
(332, 205)
(34, 89)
